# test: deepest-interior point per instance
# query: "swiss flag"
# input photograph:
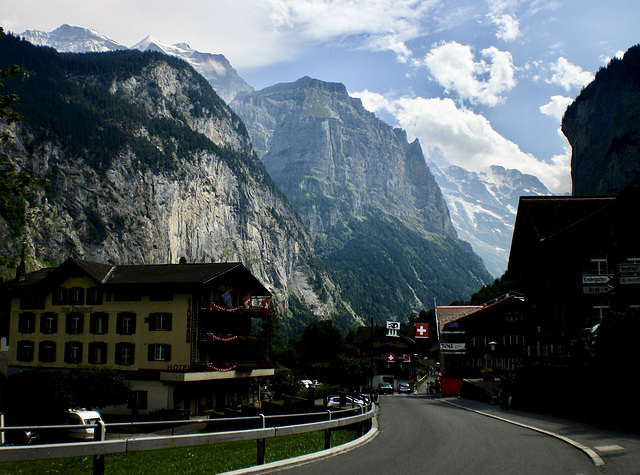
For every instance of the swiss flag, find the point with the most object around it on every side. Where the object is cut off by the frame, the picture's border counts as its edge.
(422, 330)
(391, 358)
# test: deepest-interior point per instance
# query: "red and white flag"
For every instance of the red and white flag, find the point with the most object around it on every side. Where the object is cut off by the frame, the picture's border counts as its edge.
(391, 358)
(422, 330)
(247, 301)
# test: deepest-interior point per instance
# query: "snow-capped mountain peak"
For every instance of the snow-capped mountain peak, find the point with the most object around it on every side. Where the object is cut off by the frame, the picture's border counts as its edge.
(214, 67)
(72, 39)
(483, 207)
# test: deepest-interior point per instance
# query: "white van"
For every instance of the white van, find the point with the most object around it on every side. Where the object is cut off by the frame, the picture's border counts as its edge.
(82, 418)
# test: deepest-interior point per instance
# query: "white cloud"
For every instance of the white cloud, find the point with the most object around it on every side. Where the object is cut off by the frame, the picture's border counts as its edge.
(508, 26)
(556, 107)
(251, 33)
(466, 139)
(378, 25)
(453, 66)
(569, 75)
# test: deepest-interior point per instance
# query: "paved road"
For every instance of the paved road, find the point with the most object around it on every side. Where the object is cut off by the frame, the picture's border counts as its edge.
(425, 435)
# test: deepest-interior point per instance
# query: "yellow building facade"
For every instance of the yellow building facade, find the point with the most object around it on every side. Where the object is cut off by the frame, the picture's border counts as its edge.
(189, 337)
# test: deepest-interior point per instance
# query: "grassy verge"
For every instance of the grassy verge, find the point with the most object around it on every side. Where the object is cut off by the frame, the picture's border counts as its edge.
(192, 460)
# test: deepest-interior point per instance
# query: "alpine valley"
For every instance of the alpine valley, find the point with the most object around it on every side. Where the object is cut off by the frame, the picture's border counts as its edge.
(336, 212)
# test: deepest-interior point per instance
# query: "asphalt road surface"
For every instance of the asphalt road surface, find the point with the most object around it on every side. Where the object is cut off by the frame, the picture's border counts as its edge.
(420, 435)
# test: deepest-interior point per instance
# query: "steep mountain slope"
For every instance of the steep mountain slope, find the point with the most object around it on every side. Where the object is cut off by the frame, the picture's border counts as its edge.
(602, 126)
(147, 164)
(214, 67)
(483, 207)
(365, 193)
(471, 203)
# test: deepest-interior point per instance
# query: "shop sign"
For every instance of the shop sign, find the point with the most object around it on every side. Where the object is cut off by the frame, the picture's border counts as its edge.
(452, 348)
(392, 328)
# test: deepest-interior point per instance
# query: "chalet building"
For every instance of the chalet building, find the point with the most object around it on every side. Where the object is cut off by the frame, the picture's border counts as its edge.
(578, 258)
(189, 337)
(494, 335)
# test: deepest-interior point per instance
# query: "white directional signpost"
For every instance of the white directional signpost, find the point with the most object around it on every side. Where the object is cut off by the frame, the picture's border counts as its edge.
(596, 284)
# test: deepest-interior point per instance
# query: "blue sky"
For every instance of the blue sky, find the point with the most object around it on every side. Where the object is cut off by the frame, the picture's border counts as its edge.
(479, 82)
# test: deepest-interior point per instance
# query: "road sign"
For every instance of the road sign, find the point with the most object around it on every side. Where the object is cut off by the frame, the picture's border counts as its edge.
(630, 279)
(629, 268)
(596, 279)
(596, 289)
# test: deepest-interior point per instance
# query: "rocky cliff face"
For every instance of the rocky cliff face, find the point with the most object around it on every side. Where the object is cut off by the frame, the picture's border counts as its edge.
(602, 126)
(334, 159)
(178, 176)
(379, 220)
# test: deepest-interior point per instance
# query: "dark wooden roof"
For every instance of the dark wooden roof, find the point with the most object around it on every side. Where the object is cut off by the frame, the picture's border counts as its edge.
(178, 275)
(550, 215)
(171, 273)
(542, 218)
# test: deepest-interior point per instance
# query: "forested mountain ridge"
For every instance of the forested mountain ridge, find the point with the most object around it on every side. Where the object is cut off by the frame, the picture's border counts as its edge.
(146, 165)
(378, 218)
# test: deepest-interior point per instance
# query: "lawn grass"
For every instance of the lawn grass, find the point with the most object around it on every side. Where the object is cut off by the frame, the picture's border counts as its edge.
(191, 460)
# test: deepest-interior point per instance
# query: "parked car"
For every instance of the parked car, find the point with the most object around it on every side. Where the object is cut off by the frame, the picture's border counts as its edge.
(404, 388)
(334, 401)
(82, 418)
(386, 388)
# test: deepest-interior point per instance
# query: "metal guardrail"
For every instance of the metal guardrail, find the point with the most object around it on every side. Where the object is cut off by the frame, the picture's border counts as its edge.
(99, 448)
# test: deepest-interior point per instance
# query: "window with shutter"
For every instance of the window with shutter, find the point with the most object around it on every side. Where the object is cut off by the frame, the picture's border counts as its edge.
(73, 352)
(75, 323)
(25, 351)
(160, 321)
(26, 322)
(47, 351)
(49, 322)
(126, 323)
(99, 323)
